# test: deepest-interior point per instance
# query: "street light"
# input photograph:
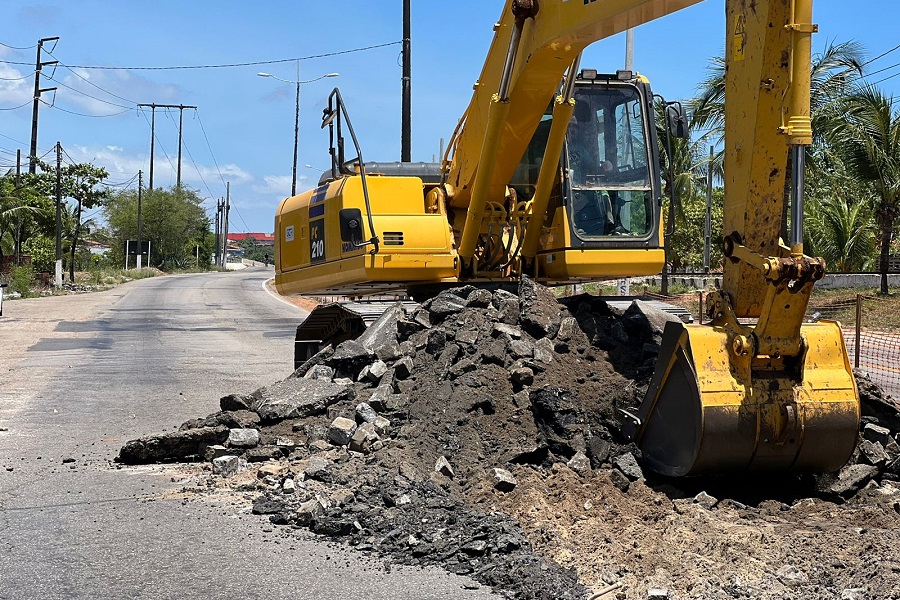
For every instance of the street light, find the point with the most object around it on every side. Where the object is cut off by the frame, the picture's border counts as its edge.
(296, 116)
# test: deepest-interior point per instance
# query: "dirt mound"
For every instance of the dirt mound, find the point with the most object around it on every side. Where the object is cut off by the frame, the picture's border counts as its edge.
(480, 433)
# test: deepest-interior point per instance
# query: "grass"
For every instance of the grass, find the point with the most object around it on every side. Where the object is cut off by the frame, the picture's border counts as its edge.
(106, 278)
(22, 281)
(877, 311)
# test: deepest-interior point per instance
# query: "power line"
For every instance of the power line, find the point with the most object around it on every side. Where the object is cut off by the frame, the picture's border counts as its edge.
(66, 154)
(221, 66)
(16, 78)
(882, 55)
(72, 112)
(88, 95)
(218, 170)
(17, 107)
(894, 66)
(13, 139)
(885, 79)
(240, 216)
(193, 162)
(208, 145)
(166, 154)
(122, 183)
(18, 47)
(89, 82)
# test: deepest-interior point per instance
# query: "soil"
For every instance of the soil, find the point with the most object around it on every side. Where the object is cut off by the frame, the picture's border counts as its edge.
(532, 386)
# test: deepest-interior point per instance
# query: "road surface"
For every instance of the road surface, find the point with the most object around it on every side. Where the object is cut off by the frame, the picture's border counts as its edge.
(80, 375)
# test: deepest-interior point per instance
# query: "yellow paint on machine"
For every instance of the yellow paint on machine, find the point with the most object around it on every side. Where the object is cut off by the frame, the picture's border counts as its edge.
(415, 246)
(576, 263)
(709, 410)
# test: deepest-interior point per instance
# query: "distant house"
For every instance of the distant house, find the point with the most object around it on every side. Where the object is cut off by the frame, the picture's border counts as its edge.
(96, 247)
(262, 239)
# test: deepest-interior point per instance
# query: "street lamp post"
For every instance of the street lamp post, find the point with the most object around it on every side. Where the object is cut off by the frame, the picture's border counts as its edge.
(296, 117)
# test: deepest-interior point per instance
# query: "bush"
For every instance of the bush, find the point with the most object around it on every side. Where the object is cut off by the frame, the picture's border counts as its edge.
(43, 252)
(21, 280)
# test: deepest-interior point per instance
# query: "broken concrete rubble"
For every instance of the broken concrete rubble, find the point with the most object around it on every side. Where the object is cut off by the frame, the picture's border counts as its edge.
(227, 465)
(242, 438)
(504, 481)
(439, 433)
(174, 445)
(294, 398)
(341, 431)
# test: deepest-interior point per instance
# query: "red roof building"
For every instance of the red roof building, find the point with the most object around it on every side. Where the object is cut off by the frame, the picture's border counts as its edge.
(262, 239)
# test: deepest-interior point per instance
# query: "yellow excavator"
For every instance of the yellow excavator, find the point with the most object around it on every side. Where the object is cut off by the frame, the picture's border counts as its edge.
(572, 193)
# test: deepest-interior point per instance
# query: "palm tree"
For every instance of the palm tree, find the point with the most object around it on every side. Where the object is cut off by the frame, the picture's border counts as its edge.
(841, 232)
(13, 213)
(689, 161)
(867, 139)
(833, 73)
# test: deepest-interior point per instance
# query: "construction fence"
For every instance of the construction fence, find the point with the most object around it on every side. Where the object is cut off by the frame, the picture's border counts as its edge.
(872, 334)
(871, 329)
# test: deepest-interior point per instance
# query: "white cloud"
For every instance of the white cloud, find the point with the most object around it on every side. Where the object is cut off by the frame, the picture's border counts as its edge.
(274, 185)
(16, 87)
(122, 165)
(106, 92)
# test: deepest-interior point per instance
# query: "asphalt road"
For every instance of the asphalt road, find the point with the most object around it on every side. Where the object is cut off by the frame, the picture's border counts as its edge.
(80, 375)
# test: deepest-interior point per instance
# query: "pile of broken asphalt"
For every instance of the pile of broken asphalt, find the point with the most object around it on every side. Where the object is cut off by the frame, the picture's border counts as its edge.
(443, 437)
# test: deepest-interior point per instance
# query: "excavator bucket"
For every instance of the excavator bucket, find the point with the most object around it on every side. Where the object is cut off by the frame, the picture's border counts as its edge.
(709, 410)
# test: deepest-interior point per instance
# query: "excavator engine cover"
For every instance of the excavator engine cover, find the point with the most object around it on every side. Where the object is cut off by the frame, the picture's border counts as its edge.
(709, 410)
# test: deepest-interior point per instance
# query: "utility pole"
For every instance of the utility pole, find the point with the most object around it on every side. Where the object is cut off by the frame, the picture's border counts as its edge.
(225, 223)
(707, 232)
(32, 160)
(217, 240)
(153, 106)
(58, 279)
(180, 126)
(629, 50)
(296, 134)
(406, 110)
(152, 141)
(18, 240)
(140, 223)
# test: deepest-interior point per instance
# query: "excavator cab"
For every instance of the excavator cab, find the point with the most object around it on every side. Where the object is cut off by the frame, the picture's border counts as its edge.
(604, 208)
(608, 157)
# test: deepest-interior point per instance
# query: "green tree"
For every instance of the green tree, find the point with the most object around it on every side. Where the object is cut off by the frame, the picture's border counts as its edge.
(687, 242)
(841, 232)
(839, 224)
(689, 161)
(42, 250)
(174, 221)
(253, 251)
(834, 72)
(23, 212)
(80, 183)
(867, 139)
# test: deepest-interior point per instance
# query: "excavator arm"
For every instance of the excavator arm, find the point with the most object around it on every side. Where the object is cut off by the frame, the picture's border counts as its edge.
(757, 389)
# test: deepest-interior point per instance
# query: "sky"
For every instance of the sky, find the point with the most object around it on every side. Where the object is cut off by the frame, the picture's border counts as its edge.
(242, 131)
